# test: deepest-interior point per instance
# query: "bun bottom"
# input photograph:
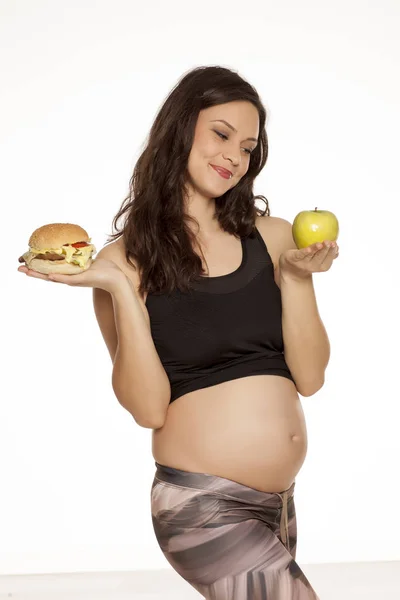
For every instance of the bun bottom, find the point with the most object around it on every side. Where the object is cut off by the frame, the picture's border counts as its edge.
(57, 266)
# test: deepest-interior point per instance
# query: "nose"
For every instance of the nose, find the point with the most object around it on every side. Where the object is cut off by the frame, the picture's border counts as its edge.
(233, 155)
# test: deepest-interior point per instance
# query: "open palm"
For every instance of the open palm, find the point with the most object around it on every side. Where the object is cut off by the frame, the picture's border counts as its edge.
(102, 273)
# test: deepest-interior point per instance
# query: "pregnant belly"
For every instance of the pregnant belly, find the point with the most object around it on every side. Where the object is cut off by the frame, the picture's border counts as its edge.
(250, 430)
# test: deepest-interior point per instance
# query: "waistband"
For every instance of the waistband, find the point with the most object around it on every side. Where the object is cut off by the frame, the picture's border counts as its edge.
(221, 486)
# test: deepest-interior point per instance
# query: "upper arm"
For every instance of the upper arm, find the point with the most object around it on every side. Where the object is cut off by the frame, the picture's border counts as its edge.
(104, 311)
(102, 300)
(278, 237)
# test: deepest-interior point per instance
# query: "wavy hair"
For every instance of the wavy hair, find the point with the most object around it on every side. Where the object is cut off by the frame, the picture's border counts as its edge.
(155, 231)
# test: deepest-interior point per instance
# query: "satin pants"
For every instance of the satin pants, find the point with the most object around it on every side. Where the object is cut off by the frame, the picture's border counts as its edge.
(229, 541)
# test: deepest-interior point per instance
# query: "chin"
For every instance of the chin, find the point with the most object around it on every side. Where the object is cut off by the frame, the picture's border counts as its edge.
(206, 191)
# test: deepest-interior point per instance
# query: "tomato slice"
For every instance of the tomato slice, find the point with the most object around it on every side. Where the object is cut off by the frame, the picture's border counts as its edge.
(79, 244)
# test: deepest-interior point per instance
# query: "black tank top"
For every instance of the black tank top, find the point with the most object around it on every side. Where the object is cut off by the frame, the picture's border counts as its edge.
(224, 328)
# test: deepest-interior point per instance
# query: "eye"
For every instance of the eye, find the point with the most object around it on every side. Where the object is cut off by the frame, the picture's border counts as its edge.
(225, 137)
(221, 135)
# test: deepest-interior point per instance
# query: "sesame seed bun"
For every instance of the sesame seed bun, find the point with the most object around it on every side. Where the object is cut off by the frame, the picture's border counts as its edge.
(55, 235)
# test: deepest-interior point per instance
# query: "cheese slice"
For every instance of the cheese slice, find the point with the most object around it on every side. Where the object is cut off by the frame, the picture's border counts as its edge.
(79, 256)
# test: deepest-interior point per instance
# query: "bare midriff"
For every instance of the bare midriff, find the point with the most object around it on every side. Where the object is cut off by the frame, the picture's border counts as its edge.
(250, 430)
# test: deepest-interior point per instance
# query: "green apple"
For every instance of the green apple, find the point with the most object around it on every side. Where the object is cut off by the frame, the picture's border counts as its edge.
(312, 226)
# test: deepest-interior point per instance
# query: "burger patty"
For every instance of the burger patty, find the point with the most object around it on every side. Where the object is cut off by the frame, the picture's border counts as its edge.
(50, 256)
(45, 256)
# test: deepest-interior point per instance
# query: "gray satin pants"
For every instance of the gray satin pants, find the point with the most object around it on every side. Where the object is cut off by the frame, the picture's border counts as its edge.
(229, 541)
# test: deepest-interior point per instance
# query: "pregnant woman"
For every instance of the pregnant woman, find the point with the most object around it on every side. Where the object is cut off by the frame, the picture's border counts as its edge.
(209, 314)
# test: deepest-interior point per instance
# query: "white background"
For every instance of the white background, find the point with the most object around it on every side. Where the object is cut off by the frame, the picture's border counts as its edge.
(81, 84)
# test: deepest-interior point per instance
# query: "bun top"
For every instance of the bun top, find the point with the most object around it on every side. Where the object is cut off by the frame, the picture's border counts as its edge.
(55, 235)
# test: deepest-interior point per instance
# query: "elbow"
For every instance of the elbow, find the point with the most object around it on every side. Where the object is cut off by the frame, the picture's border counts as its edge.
(150, 421)
(149, 411)
(309, 388)
(147, 419)
(148, 405)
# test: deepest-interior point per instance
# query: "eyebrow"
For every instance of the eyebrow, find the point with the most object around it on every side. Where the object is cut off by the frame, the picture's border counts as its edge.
(232, 127)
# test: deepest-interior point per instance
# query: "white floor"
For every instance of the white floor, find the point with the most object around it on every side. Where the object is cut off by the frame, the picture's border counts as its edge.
(347, 581)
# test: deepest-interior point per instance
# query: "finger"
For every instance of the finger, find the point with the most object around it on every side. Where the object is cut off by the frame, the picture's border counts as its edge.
(334, 251)
(305, 253)
(32, 273)
(300, 254)
(330, 254)
(59, 278)
(68, 279)
(325, 252)
(326, 246)
(312, 250)
(318, 254)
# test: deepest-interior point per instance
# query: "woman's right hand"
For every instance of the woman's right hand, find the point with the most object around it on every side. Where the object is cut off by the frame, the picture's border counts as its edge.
(102, 273)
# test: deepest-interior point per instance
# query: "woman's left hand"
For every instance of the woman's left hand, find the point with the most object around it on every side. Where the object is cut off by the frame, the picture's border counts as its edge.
(301, 263)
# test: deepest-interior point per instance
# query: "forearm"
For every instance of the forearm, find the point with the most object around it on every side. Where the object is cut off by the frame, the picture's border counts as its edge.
(306, 343)
(139, 380)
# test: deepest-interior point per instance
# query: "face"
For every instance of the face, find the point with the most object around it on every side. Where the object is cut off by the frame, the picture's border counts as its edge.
(225, 136)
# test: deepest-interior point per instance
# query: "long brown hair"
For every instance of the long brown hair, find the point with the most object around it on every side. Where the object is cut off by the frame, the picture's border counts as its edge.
(155, 231)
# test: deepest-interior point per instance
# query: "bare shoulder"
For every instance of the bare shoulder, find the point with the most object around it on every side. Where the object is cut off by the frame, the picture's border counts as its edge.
(277, 235)
(275, 225)
(113, 251)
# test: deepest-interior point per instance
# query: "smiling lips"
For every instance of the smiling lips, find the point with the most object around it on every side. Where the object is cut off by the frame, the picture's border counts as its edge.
(223, 172)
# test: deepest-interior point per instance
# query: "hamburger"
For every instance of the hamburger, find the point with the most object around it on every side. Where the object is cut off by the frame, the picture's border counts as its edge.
(59, 248)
